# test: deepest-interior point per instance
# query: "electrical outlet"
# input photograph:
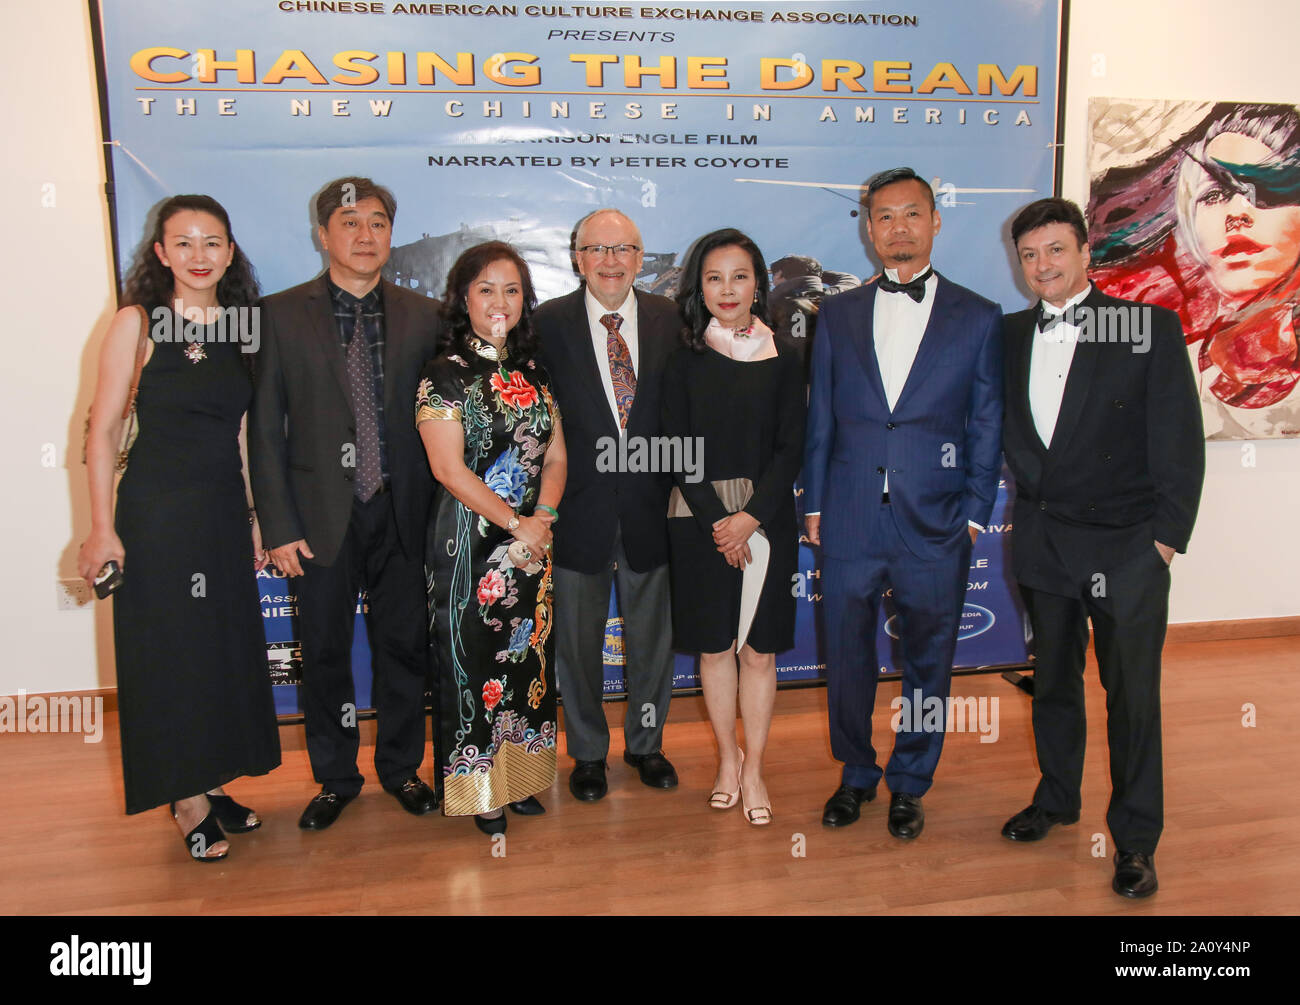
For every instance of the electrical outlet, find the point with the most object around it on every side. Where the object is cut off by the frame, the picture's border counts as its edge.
(72, 595)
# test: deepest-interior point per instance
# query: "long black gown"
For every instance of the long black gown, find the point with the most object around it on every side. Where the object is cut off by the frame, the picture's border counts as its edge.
(490, 621)
(194, 690)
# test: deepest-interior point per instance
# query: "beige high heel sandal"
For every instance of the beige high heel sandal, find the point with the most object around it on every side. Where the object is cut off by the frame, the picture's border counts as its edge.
(725, 800)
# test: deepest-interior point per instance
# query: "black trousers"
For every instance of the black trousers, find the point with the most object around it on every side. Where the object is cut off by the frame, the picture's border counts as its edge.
(1129, 608)
(371, 556)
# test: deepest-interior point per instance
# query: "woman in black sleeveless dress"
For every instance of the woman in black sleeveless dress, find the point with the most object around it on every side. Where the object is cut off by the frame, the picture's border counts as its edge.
(194, 692)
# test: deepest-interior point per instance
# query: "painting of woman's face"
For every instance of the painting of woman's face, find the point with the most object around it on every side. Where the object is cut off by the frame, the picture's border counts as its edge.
(1246, 249)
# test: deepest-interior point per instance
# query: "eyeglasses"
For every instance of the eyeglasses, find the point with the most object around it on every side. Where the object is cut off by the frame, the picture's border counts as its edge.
(617, 250)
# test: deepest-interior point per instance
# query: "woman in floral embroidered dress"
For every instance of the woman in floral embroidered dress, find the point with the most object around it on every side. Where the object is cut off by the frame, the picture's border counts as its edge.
(492, 435)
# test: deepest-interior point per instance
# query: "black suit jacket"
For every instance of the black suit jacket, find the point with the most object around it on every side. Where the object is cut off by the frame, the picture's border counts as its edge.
(301, 418)
(597, 503)
(1127, 457)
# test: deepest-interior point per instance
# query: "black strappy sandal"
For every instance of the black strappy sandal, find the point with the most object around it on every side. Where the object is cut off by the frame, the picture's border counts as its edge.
(203, 837)
(232, 817)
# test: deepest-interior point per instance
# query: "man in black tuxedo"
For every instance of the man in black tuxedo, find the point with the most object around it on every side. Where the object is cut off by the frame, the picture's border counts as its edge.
(1103, 434)
(605, 346)
(343, 491)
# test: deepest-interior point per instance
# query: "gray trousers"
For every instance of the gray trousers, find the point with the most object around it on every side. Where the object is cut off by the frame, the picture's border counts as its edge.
(581, 609)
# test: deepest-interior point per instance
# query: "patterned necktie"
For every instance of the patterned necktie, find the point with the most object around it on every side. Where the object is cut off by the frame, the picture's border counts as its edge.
(361, 389)
(620, 367)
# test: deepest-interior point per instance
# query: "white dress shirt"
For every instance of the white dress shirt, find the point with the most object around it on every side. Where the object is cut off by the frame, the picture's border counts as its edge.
(600, 342)
(1049, 367)
(898, 323)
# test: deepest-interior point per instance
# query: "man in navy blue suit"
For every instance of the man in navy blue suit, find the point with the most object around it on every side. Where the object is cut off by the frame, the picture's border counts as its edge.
(901, 467)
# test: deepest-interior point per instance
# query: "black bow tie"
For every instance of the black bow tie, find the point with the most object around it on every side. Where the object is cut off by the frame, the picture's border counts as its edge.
(1046, 321)
(915, 289)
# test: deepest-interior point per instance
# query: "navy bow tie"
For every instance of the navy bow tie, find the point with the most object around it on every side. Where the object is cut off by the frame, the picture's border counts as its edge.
(914, 289)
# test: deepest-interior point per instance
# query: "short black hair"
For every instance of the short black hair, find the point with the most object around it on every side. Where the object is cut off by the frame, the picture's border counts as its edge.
(350, 191)
(1045, 211)
(882, 178)
(797, 265)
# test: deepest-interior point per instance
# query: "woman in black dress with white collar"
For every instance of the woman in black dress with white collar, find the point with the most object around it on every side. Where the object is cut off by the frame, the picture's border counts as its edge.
(734, 393)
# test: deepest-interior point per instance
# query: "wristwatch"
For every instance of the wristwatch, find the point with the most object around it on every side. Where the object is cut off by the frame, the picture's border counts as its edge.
(514, 522)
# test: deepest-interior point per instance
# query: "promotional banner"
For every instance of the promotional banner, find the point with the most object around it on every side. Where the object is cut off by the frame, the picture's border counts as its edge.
(512, 121)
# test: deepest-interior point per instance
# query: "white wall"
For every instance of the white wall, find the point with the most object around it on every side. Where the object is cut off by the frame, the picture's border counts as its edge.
(56, 262)
(1244, 557)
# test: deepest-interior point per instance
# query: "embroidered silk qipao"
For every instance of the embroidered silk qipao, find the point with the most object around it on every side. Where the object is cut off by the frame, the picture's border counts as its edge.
(490, 621)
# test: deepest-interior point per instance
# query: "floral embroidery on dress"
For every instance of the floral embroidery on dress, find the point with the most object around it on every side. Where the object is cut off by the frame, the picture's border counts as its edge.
(507, 478)
(494, 691)
(491, 587)
(513, 390)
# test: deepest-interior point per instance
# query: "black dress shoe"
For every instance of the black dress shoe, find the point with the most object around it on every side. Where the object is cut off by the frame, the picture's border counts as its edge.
(323, 810)
(906, 818)
(415, 796)
(530, 807)
(588, 781)
(493, 825)
(1135, 875)
(842, 808)
(1033, 822)
(654, 769)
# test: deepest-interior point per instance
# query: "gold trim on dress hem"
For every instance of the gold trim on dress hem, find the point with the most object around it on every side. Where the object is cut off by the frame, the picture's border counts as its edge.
(515, 775)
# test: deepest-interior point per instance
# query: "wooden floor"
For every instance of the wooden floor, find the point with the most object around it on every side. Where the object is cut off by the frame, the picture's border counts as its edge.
(1230, 844)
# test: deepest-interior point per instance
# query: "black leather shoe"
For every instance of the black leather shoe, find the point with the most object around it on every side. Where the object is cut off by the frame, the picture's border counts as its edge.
(906, 818)
(415, 796)
(530, 807)
(654, 769)
(842, 808)
(1033, 822)
(1135, 875)
(323, 810)
(588, 781)
(495, 825)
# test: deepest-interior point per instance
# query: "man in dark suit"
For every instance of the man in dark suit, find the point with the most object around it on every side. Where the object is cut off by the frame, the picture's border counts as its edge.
(900, 472)
(343, 491)
(605, 346)
(1103, 434)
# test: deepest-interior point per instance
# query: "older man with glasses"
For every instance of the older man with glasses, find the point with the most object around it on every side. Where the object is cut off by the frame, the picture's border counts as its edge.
(605, 346)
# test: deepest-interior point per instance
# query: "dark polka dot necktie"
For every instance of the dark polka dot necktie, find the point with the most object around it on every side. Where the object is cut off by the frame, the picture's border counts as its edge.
(620, 367)
(361, 389)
